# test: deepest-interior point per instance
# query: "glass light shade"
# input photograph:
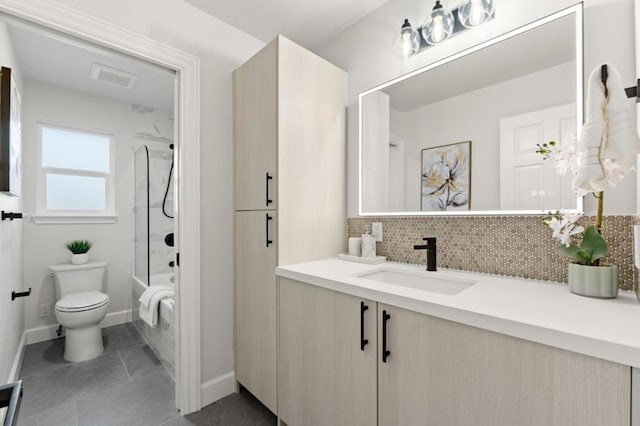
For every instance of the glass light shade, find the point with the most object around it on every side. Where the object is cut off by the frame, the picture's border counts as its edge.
(475, 12)
(439, 24)
(407, 41)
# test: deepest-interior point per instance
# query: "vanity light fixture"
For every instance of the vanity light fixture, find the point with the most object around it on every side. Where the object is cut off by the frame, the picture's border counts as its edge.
(407, 41)
(475, 12)
(442, 24)
(439, 24)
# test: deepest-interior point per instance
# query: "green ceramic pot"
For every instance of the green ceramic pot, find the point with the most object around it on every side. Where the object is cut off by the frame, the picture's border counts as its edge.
(594, 281)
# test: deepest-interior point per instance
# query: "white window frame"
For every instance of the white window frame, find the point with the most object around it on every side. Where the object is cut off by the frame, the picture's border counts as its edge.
(46, 216)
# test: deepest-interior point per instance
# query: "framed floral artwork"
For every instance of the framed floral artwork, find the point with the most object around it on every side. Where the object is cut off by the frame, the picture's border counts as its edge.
(446, 177)
(10, 134)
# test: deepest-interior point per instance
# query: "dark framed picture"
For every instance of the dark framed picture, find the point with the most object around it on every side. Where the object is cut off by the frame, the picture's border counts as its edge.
(10, 135)
(446, 177)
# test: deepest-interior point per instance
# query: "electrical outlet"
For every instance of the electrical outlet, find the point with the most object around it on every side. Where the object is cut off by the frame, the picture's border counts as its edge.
(45, 310)
(376, 230)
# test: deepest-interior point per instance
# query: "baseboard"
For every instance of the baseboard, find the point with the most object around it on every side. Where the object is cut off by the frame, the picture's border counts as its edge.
(216, 389)
(48, 332)
(17, 362)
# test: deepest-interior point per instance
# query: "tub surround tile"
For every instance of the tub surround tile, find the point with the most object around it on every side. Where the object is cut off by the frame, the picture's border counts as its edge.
(518, 246)
(160, 339)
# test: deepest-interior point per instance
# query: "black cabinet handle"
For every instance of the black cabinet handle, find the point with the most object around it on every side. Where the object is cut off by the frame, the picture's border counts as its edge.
(385, 352)
(268, 178)
(268, 218)
(363, 341)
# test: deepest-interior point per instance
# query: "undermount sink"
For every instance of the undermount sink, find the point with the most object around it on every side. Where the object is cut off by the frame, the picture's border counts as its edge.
(429, 281)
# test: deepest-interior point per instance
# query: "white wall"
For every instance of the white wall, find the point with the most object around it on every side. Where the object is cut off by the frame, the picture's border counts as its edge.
(364, 51)
(221, 48)
(11, 312)
(44, 243)
(475, 117)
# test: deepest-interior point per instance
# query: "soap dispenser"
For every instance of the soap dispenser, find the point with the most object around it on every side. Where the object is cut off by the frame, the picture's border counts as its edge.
(368, 243)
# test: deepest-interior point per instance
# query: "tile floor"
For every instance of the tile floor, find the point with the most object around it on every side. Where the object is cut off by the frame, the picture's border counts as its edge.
(126, 385)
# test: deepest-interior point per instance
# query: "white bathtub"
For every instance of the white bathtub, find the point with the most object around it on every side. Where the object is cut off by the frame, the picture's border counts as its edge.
(161, 338)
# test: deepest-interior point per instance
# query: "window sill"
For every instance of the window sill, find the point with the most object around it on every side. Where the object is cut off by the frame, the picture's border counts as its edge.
(72, 220)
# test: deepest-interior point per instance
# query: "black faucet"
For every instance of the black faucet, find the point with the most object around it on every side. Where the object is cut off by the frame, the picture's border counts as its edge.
(430, 247)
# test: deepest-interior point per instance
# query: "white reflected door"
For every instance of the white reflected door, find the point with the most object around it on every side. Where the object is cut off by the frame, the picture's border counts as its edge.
(527, 181)
(396, 174)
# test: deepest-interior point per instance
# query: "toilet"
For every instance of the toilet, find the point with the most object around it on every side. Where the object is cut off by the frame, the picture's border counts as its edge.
(81, 306)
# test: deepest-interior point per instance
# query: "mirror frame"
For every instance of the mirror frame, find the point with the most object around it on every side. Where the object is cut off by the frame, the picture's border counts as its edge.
(578, 11)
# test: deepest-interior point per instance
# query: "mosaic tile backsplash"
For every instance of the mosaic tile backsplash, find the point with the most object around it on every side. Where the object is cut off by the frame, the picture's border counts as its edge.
(518, 246)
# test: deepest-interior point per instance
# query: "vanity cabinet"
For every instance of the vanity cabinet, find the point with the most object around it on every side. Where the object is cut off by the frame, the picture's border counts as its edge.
(440, 372)
(435, 372)
(290, 183)
(327, 357)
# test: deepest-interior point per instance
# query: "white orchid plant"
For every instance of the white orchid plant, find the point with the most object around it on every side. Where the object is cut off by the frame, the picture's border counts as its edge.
(585, 246)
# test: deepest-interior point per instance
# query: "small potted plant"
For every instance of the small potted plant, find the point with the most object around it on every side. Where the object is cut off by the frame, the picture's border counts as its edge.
(588, 276)
(79, 251)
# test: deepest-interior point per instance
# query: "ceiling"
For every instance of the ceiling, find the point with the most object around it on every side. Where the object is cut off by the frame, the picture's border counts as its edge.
(67, 62)
(307, 22)
(543, 47)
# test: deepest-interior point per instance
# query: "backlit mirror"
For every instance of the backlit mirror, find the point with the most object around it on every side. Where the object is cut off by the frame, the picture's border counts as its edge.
(460, 136)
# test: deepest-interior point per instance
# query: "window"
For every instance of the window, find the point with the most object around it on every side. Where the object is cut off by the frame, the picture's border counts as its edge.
(76, 173)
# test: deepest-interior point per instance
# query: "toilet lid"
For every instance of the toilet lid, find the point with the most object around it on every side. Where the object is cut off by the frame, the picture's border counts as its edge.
(82, 301)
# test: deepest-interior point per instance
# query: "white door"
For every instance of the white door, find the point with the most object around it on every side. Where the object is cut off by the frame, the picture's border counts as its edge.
(527, 181)
(396, 174)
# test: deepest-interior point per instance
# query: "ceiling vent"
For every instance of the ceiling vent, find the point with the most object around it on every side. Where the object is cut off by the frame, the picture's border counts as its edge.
(113, 76)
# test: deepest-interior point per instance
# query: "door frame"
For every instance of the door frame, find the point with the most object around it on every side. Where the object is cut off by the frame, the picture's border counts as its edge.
(68, 21)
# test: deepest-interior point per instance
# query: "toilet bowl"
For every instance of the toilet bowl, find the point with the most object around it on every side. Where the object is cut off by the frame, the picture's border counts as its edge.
(80, 314)
(81, 306)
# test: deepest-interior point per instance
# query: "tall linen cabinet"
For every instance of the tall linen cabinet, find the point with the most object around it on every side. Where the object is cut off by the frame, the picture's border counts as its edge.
(290, 190)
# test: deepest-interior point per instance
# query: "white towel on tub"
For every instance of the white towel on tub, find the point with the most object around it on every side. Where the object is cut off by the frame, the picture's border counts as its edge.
(146, 296)
(150, 301)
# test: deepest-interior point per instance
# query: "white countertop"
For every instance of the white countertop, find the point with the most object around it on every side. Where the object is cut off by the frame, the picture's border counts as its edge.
(538, 311)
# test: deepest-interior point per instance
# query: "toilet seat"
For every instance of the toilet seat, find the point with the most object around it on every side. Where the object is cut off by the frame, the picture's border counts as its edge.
(80, 302)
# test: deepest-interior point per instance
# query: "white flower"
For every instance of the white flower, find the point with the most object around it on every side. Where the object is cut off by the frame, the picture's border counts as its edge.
(615, 172)
(566, 159)
(564, 227)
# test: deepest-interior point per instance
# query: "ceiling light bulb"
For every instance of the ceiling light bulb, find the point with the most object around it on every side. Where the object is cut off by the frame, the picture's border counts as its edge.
(407, 41)
(439, 24)
(475, 12)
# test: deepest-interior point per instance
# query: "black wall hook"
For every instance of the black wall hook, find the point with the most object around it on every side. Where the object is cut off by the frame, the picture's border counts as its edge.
(15, 295)
(632, 92)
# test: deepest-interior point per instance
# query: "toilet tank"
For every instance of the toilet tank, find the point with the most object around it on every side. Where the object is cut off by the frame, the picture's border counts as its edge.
(71, 279)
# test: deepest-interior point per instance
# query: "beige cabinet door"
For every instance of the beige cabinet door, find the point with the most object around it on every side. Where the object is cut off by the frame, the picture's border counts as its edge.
(255, 131)
(326, 376)
(255, 313)
(440, 373)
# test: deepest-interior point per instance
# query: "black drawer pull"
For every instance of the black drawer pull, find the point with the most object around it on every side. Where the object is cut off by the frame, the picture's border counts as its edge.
(268, 218)
(363, 341)
(268, 178)
(385, 352)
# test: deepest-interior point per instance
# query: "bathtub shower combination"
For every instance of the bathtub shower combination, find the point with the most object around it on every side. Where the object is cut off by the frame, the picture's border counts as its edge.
(154, 252)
